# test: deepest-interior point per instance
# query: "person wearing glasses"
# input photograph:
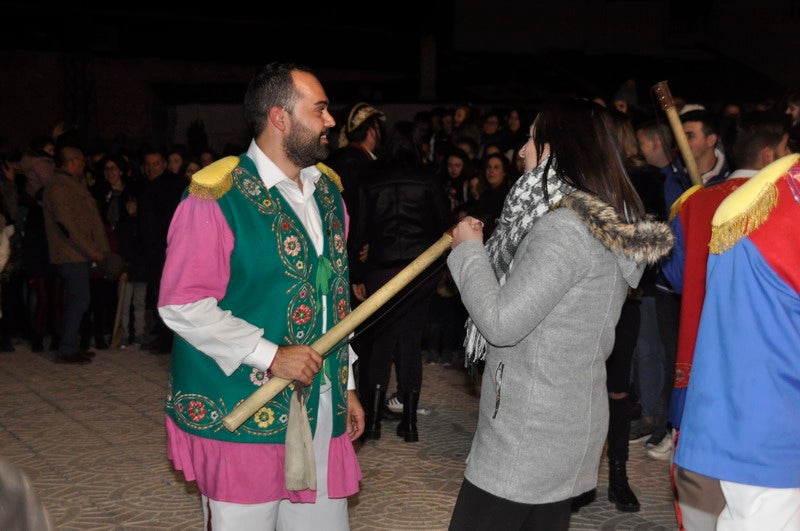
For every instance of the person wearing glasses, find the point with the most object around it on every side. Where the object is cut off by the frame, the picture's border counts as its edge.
(544, 295)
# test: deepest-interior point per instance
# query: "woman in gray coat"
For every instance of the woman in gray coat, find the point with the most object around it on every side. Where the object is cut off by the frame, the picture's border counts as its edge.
(544, 295)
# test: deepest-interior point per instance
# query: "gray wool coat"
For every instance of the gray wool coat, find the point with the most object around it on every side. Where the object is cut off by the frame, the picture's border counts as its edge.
(543, 413)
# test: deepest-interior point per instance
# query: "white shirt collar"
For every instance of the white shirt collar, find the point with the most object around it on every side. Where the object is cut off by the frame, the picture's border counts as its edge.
(739, 174)
(271, 175)
(717, 167)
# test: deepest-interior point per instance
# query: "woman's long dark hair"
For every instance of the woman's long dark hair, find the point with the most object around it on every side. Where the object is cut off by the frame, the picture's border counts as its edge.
(581, 139)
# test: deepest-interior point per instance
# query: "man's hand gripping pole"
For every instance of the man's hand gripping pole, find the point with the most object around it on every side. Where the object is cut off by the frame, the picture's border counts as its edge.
(249, 406)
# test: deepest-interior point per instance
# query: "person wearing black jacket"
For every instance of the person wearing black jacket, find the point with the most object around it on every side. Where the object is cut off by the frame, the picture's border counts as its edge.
(403, 211)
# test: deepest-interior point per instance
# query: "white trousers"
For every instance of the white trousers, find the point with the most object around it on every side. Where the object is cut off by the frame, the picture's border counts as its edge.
(750, 508)
(283, 515)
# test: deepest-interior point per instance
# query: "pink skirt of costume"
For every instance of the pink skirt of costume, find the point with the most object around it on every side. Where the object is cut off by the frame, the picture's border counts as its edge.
(254, 473)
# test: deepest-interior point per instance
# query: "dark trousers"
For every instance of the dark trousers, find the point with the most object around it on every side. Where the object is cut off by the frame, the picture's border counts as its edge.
(76, 301)
(618, 379)
(618, 364)
(97, 322)
(478, 510)
(397, 331)
(668, 309)
(44, 305)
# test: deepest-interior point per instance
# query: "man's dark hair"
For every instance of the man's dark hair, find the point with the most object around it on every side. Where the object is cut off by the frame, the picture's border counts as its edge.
(710, 121)
(271, 87)
(757, 130)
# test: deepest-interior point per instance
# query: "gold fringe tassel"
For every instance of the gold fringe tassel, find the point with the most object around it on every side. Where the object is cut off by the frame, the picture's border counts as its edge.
(725, 236)
(332, 175)
(214, 191)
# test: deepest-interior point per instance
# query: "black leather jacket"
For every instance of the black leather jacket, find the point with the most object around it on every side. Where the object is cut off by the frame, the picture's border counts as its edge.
(403, 211)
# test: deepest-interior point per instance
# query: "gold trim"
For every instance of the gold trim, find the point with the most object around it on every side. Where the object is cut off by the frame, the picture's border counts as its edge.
(725, 236)
(749, 206)
(676, 206)
(741, 198)
(332, 175)
(214, 181)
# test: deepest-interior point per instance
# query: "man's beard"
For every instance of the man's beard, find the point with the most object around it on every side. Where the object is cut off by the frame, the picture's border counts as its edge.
(303, 147)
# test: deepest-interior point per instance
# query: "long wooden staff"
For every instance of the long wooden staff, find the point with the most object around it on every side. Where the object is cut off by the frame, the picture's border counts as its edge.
(664, 97)
(249, 406)
(117, 331)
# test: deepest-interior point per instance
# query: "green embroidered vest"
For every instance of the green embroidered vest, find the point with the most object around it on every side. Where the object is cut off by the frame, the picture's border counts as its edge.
(277, 283)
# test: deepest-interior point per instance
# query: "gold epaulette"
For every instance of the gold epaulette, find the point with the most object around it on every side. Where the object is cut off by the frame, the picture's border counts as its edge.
(748, 207)
(676, 206)
(332, 175)
(213, 181)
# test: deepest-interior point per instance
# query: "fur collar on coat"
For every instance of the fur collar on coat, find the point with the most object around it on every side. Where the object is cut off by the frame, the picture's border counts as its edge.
(646, 241)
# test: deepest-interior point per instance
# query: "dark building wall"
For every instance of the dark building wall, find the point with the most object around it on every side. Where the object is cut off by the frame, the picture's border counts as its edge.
(32, 96)
(108, 99)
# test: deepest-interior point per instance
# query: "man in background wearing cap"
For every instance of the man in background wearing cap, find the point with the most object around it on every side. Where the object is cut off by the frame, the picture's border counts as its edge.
(364, 130)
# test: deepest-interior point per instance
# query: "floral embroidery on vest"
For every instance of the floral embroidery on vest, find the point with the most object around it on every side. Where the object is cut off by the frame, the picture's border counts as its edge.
(278, 239)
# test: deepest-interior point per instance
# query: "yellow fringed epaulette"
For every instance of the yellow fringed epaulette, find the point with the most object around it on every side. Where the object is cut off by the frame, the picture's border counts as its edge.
(332, 175)
(676, 206)
(213, 181)
(748, 207)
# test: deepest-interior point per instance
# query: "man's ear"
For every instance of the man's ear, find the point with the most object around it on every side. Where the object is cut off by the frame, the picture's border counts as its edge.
(712, 139)
(277, 117)
(766, 155)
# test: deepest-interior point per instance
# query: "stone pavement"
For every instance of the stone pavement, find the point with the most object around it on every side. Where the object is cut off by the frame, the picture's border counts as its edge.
(91, 440)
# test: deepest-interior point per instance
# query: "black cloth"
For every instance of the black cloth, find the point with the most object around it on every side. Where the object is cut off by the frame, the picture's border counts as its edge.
(157, 203)
(396, 332)
(478, 510)
(35, 254)
(129, 238)
(354, 167)
(649, 183)
(490, 206)
(618, 364)
(403, 211)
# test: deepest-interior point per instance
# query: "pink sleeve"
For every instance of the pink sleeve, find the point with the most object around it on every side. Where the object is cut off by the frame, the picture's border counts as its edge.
(199, 246)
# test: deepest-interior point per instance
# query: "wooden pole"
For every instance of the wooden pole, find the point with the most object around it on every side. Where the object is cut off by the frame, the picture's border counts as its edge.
(665, 99)
(116, 331)
(249, 406)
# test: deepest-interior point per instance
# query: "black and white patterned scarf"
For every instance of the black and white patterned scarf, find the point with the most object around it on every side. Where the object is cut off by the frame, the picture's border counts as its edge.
(524, 204)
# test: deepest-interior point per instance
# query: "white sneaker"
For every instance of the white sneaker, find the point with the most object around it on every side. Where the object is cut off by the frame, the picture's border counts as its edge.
(663, 450)
(396, 406)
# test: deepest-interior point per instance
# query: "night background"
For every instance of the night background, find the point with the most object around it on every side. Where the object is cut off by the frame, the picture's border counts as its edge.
(128, 73)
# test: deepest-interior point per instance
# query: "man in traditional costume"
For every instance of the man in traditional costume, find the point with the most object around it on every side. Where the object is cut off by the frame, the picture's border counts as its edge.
(758, 143)
(256, 271)
(739, 418)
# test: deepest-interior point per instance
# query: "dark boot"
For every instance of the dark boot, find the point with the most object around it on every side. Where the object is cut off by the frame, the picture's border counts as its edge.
(619, 491)
(375, 401)
(36, 343)
(407, 429)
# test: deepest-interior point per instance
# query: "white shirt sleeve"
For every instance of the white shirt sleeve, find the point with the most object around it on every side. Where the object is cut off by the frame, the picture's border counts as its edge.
(228, 340)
